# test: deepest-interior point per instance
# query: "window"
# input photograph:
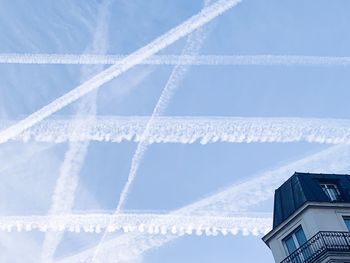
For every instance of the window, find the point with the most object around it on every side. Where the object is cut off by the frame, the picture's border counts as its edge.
(294, 240)
(331, 190)
(347, 222)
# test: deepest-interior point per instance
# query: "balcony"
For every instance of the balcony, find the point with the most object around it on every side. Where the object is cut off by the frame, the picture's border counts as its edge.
(319, 245)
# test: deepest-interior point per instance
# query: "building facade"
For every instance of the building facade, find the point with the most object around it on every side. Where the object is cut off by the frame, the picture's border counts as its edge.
(311, 221)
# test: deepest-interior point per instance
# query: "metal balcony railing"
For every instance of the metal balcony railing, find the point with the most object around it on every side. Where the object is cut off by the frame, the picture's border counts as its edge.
(318, 245)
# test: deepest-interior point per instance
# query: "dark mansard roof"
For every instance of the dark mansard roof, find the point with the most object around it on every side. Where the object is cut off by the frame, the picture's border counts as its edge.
(305, 187)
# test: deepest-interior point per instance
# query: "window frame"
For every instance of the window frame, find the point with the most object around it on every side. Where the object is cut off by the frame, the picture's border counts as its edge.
(328, 189)
(295, 239)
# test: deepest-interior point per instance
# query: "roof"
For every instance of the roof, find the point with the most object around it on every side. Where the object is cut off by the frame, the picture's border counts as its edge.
(305, 187)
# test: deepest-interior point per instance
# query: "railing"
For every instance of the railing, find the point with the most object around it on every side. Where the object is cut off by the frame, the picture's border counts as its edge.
(318, 245)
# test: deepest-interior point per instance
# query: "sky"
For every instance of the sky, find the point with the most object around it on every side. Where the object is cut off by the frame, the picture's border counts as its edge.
(170, 176)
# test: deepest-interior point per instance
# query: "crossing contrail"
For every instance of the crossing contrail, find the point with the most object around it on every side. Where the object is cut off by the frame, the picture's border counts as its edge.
(204, 16)
(188, 129)
(67, 182)
(153, 224)
(200, 60)
(237, 197)
(192, 47)
(261, 187)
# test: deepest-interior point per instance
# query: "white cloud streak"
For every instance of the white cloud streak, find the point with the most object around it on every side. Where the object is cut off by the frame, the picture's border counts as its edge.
(193, 60)
(189, 129)
(196, 21)
(65, 188)
(192, 47)
(261, 187)
(237, 197)
(26, 170)
(152, 224)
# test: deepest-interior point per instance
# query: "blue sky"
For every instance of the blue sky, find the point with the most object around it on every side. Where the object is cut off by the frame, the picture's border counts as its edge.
(170, 175)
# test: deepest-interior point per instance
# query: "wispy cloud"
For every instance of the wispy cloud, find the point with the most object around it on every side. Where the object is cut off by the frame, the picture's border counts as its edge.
(67, 181)
(176, 224)
(189, 59)
(185, 28)
(26, 186)
(188, 129)
(192, 47)
(193, 44)
(242, 195)
(237, 197)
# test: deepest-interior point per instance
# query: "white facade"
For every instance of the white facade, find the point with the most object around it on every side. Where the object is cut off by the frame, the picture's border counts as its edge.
(313, 217)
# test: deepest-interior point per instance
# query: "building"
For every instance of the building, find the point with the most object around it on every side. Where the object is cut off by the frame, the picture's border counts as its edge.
(311, 220)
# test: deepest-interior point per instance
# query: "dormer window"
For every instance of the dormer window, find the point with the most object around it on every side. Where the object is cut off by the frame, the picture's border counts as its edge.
(331, 190)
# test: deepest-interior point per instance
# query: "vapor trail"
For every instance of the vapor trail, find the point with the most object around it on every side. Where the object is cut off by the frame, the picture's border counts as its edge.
(261, 187)
(196, 21)
(200, 60)
(189, 129)
(153, 224)
(237, 197)
(193, 44)
(65, 188)
(192, 47)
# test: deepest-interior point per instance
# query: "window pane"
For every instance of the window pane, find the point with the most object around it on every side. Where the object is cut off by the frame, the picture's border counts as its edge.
(291, 247)
(332, 194)
(300, 236)
(325, 190)
(331, 191)
(347, 222)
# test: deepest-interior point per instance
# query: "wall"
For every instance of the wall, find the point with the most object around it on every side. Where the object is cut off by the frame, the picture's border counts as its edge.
(313, 219)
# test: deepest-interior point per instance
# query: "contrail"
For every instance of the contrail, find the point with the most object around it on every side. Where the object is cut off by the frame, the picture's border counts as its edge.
(65, 188)
(200, 60)
(153, 224)
(207, 14)
(192, 47)
(188, 129)
(261, 187)
(237, 197)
